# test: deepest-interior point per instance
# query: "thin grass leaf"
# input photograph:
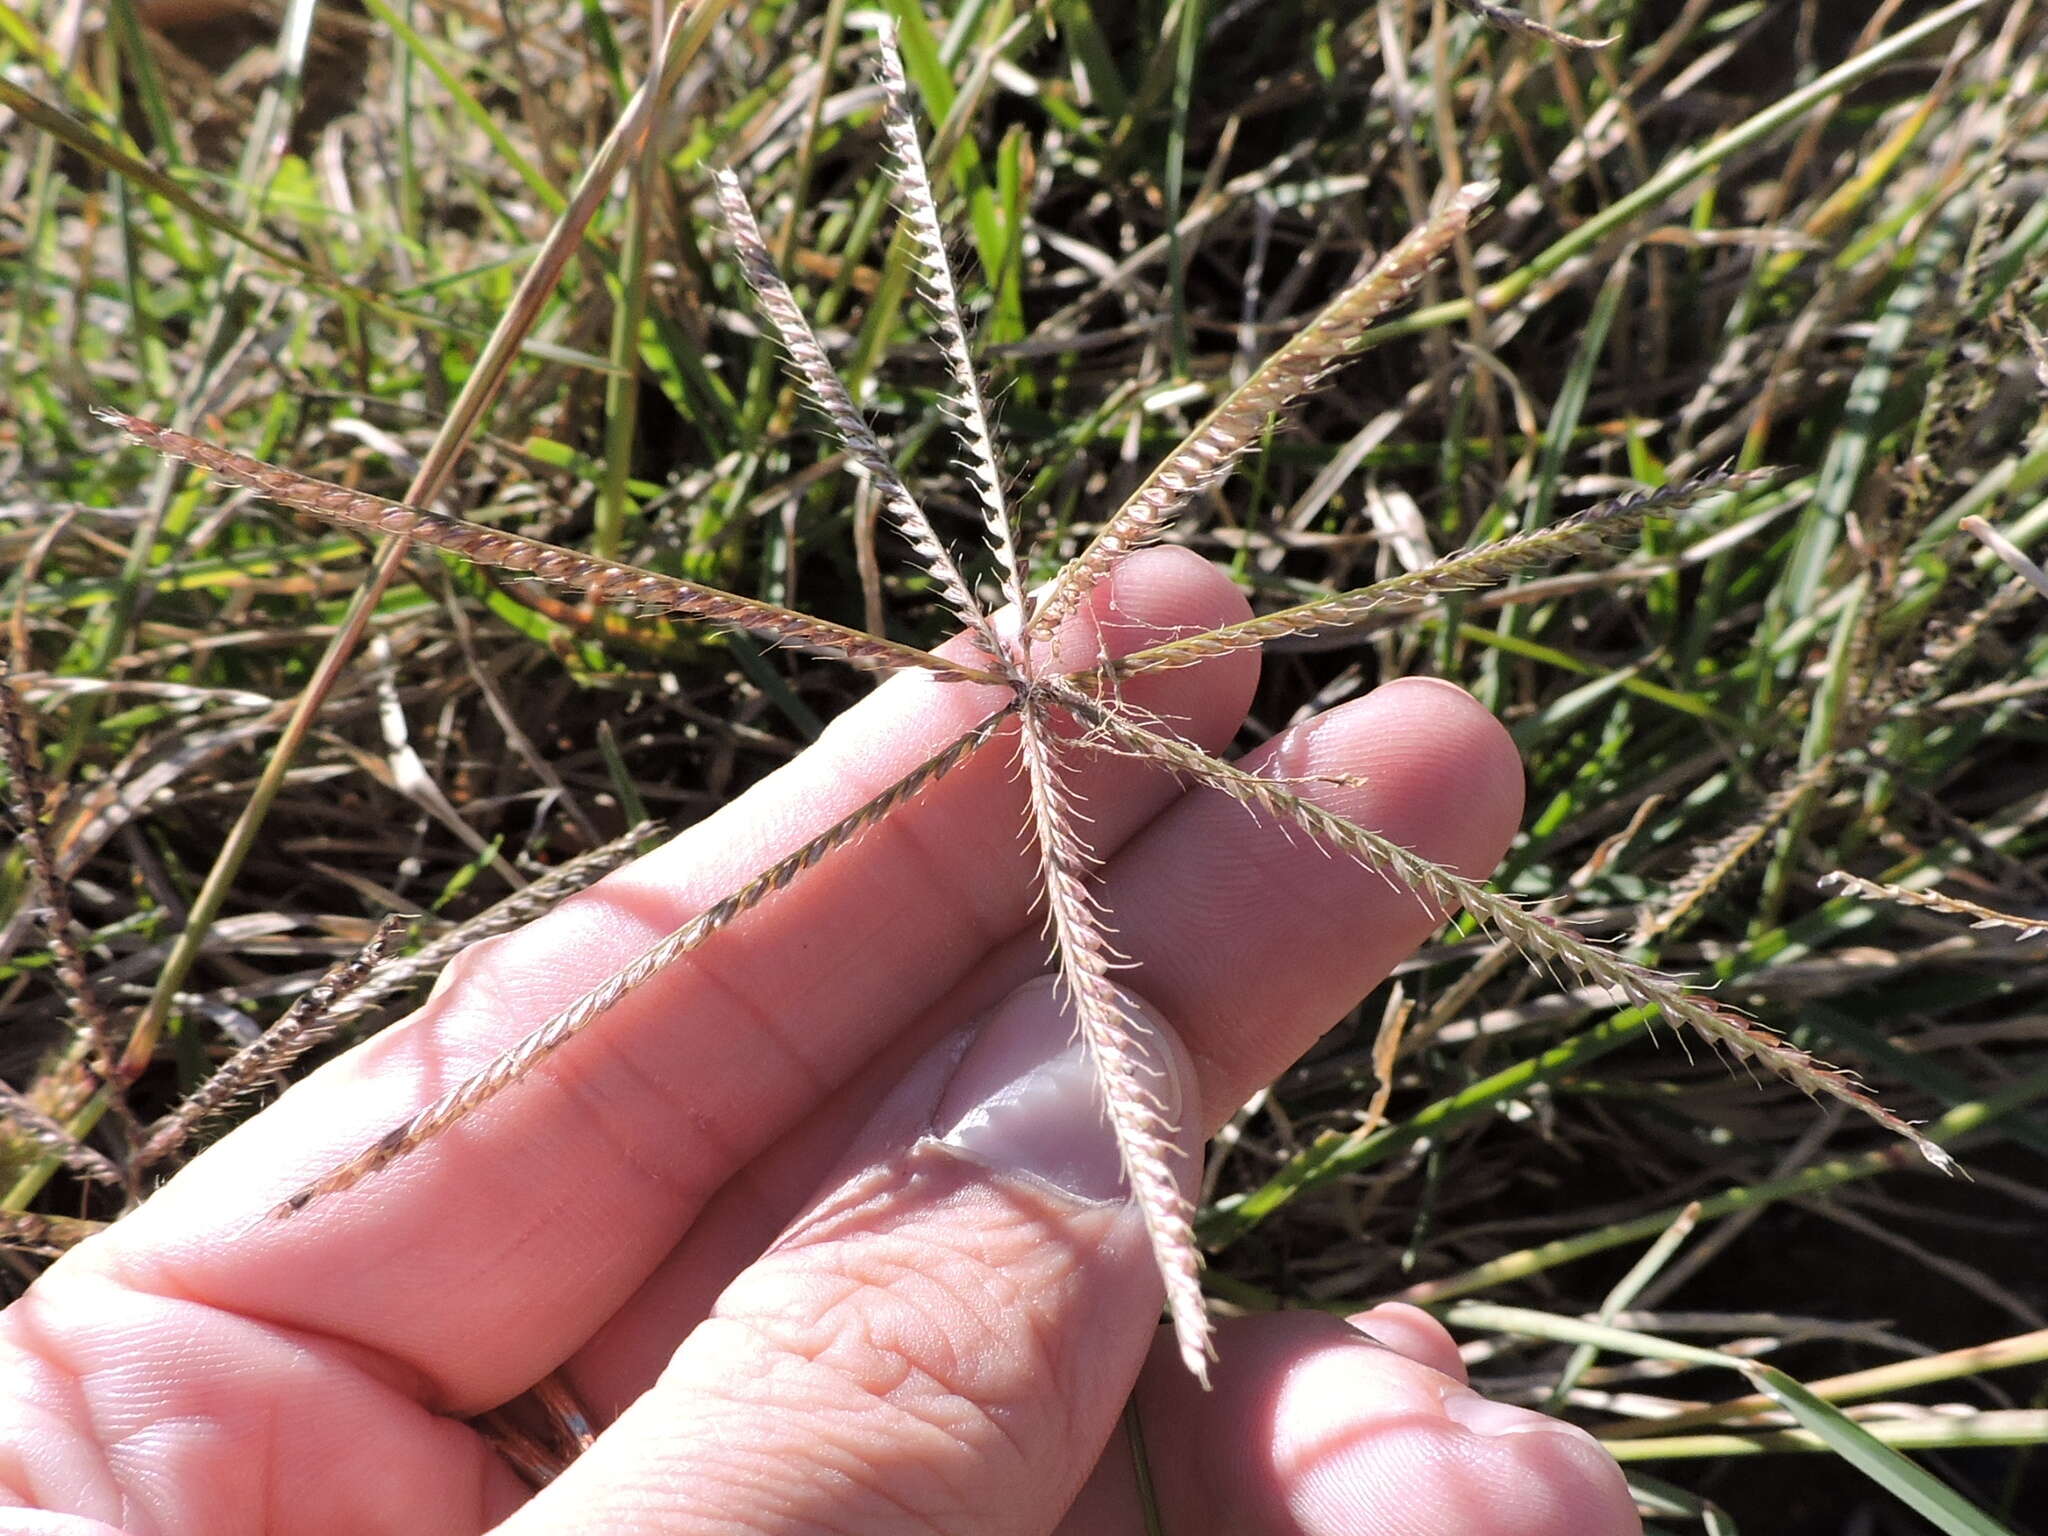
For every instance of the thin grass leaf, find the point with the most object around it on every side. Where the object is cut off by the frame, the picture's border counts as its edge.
(1145, 1136)
(1227, 433)
(603, 581)
(1445, 889)
(309, 1021)
(964, 401)
(1941, 1506)
(813, 371)
(1583, 533)
(515, 1064)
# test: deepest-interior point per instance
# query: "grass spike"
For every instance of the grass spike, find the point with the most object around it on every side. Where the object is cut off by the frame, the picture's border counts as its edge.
(1144, 1133)
(1717, 861)
(814, 371)
(1980, 916)
(1596, 528)
(1207, 455)
(603, 581)
(24, 797)
(309, 1021)
(396, 972)
(965, 400)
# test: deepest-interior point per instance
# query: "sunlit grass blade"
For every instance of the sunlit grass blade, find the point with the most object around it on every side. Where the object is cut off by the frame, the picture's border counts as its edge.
(1948, 1511)
(1912, 1485)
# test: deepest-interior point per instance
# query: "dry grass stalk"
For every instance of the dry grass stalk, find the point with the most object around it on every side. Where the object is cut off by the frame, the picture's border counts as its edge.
(1039, 700)
(2014, 557)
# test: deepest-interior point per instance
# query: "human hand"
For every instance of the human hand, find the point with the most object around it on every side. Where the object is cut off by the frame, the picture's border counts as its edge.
(756, 1220)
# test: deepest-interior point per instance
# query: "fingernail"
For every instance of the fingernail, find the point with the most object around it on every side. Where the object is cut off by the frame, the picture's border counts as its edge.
(1026, 1098)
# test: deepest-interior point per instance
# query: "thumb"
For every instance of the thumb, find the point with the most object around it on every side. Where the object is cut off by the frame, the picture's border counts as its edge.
(942, 1342)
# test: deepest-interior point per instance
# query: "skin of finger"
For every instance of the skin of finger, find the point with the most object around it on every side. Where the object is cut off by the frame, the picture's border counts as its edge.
(131, 1412)
(1315, 1430)
(499, 1247)
(1410, 1331)
(933, 1346)
(1257, 942)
